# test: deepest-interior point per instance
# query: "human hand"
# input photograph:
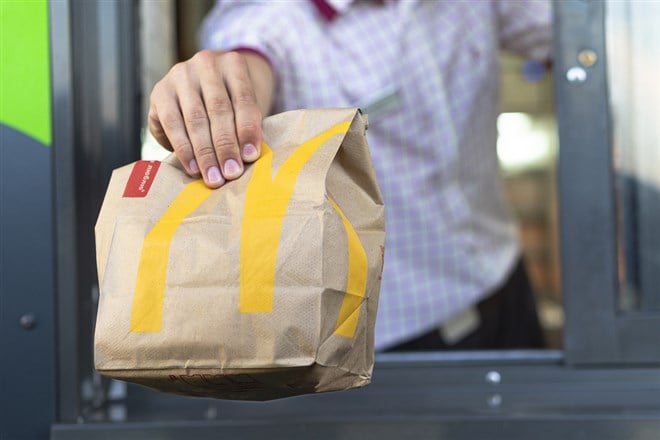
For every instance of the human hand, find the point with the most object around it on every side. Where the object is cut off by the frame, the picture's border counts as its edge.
(208, 110)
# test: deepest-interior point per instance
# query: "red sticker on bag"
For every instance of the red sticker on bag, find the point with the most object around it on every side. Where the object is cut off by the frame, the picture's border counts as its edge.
(141, 178)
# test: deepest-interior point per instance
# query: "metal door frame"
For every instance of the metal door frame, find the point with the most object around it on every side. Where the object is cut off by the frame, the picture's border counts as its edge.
(587, 391)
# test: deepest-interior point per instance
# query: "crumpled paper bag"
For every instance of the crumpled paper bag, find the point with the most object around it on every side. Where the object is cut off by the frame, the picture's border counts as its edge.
(264, 288)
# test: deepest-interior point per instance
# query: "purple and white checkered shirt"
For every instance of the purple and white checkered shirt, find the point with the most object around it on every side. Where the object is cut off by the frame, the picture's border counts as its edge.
(427, 74)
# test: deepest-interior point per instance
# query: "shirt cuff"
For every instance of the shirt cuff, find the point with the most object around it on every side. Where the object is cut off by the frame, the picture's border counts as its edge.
(255, 51)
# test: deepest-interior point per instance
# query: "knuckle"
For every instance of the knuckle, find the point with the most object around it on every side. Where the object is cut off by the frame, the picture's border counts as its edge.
(171, 120)
(219, 105)
(204, 57)
(224, 141)
(181, 74)
(196, 112)
(156, 129)
(196, 117)
(182, 146)
(245, 97)
(159, 93)
(178, 70)
(247, 129)
(152, 116)
(234, 58)
(205, 155)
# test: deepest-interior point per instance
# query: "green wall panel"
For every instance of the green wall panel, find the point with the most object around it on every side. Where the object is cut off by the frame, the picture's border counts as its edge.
(25, 68)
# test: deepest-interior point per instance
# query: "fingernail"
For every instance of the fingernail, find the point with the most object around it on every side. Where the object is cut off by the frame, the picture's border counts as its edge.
(214, 176)
(193, 166)
(232, 169)
(250, 152)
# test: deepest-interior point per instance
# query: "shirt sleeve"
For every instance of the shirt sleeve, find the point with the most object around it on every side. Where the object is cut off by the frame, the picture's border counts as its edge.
(256, 26)
(525, 27)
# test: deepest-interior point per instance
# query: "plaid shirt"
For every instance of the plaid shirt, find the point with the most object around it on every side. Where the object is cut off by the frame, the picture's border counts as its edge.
(427, 74)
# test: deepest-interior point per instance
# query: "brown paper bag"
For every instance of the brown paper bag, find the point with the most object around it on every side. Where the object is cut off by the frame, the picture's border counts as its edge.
(264, 288)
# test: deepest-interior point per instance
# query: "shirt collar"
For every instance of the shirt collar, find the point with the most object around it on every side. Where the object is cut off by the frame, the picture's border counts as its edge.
(329, 9)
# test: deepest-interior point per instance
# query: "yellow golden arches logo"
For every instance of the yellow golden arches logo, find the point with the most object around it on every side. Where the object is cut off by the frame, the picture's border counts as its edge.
(266, 201)
(147, 314)
(356, 285)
